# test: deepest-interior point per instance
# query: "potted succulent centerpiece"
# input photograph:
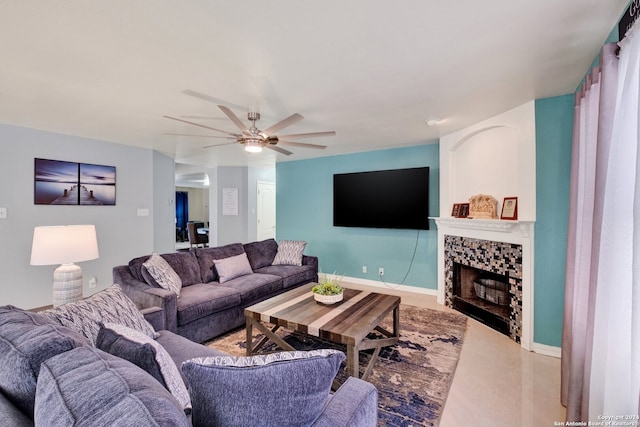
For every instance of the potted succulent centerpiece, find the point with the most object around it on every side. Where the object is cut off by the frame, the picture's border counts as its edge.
(328, 291)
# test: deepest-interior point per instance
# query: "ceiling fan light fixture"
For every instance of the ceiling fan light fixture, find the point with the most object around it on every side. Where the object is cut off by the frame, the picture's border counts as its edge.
(252, 146)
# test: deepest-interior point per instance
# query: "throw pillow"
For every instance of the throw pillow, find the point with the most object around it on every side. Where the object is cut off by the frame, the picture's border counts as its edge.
(162, 274)
(26, 340)
(286, 388)
(146, 353)
(109, 306)
(232, 267)
(289, 252)
(88, 387)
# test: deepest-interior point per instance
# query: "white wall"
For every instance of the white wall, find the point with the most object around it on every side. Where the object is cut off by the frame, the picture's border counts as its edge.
(495, 157)
(122, 234)
(242, 227)
(164, 206)
(232, 228)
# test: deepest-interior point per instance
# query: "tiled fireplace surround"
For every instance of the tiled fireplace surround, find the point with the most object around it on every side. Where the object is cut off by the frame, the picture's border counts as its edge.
(500, 258)
(496, 246)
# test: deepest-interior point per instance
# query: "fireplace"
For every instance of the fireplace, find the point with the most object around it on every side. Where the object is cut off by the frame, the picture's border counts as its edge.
(483, 279)
(483, 295)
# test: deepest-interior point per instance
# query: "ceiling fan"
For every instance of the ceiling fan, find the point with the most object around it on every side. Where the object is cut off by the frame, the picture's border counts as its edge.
(254, 139)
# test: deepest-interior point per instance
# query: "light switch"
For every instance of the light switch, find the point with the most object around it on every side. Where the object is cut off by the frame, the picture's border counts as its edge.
(3, 213)
(143, 212)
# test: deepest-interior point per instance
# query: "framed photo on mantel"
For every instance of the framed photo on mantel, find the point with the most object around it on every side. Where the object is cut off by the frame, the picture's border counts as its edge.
(509, 208)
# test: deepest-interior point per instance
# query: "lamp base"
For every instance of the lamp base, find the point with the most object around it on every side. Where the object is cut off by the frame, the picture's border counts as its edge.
(67, 284)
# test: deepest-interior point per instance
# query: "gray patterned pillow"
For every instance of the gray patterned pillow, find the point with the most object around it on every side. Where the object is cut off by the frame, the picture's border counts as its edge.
(232, 267)
(108, 306)
(128, 343)
(163, 274)
(289, 252)
(243, 391)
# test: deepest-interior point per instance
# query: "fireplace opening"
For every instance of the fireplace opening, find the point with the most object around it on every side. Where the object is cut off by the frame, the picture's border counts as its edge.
(482, 295)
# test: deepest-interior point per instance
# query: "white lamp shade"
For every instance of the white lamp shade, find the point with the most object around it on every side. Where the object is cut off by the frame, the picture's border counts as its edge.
(63, 244)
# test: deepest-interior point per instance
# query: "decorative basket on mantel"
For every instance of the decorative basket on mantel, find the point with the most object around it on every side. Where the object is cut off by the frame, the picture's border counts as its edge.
(483, 206)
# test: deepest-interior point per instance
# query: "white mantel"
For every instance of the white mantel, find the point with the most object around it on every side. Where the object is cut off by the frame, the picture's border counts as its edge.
(494, 157)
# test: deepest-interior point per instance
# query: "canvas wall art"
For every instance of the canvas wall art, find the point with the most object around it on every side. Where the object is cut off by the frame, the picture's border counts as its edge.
(69, 183)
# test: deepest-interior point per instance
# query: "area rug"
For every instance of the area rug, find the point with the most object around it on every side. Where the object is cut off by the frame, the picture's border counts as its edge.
(413, 377)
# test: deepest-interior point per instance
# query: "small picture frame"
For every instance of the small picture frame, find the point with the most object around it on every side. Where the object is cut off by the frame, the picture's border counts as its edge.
(464, 210)
(509, 208)
(456, 210)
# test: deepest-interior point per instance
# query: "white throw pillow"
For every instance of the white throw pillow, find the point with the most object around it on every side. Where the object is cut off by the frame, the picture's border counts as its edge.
(289, 252)
(163, 274)
(232, 267)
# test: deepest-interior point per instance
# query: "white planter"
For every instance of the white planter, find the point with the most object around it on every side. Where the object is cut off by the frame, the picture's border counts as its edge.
(328, 299)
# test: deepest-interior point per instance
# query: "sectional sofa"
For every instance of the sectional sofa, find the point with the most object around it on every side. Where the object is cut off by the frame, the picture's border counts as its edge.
(216, 284)
(100, 363)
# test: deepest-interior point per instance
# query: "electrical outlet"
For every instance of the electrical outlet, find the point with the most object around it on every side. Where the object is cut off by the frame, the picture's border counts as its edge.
(93, 282)
(380, 271)
(364, 268)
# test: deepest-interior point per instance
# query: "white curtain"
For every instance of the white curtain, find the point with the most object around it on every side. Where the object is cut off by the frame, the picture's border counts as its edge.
(601, 336)
(615, 357)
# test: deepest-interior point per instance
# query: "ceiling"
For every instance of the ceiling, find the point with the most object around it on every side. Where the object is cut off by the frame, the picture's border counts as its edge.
(372, 70)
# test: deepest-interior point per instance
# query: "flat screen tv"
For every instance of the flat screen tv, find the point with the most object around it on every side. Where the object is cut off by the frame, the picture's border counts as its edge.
(396, 199)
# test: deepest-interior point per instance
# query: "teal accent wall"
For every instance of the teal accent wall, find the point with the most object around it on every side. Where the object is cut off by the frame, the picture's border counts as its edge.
(554, 134)
(304, 203)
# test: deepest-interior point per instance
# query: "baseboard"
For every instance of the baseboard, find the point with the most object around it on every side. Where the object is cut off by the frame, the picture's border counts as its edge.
(379, 284)
(547, 350)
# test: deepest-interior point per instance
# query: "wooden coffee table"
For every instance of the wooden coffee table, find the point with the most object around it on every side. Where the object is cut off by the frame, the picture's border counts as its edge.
(347, 322)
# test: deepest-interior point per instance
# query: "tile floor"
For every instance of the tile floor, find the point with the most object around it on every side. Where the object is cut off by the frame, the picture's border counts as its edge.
(497, 383)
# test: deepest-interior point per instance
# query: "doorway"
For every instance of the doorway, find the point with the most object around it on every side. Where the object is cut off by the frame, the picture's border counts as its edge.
(266, 210)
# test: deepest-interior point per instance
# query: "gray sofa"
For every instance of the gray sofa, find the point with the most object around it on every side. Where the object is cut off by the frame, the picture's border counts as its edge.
(52, 374)
(207, 308)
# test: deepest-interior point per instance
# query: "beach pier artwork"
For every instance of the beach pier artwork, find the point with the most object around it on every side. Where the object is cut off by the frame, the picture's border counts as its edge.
(75, 193)
(69, 183)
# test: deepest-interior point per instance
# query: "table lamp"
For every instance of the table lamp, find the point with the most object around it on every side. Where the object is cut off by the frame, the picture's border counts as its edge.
(64, 245)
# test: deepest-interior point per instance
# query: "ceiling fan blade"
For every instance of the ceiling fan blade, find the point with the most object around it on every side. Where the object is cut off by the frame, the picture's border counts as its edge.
(200, 136)
(219, 145)
(306, 135)
(234, 118)
(199, 125)
(292, 119)
(278, 149)
(214, 100)
(302, 144)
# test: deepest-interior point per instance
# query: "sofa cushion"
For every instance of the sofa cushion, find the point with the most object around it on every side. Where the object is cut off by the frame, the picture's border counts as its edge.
(184, 263)
(253, 287)
(181, 349)
(203, 299)
(157, 272)
(261, 254)
(146, 353)
(291, 274)
(206, 256)
(26, 340)
(232, 267)
(10, 415)
(114, 392)
(108, 306)
(285, 388)
(289, 252)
